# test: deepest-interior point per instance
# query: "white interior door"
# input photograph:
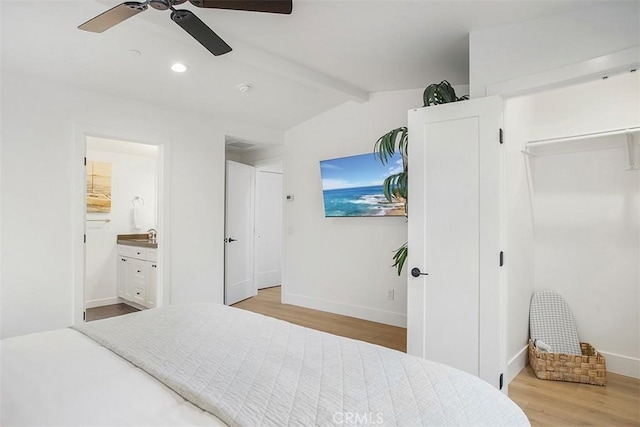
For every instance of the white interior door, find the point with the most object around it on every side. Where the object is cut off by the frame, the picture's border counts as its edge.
(268, 237)
(239, 224)
(454, 236)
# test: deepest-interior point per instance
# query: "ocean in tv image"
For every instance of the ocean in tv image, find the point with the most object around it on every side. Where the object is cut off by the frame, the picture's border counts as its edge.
(352, 186)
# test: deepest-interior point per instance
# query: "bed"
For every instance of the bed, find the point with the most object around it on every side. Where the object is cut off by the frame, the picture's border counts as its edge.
(208, 364)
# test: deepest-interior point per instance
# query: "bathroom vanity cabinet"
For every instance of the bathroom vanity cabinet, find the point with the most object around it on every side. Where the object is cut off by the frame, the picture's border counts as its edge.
(137, 274)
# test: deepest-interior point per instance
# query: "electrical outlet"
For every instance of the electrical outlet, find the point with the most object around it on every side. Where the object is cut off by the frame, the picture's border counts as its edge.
(391, 294)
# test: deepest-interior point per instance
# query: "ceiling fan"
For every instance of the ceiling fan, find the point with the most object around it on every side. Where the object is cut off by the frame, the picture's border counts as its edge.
(186, 19)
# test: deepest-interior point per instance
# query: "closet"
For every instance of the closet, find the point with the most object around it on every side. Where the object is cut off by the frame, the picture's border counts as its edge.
(574, 211)
(586, 214)
(513, 195)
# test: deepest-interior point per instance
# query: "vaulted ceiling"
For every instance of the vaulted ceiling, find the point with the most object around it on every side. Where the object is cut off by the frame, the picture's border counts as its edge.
(323, 54)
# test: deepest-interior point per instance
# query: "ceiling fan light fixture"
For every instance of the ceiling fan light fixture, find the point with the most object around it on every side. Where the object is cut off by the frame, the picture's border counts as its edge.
(179, 67)
(186, 19)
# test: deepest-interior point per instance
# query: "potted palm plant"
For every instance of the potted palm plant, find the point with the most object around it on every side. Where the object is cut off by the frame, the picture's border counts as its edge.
(395, 186)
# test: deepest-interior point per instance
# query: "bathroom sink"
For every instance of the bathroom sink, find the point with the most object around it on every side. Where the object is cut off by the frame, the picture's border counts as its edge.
(139, 240)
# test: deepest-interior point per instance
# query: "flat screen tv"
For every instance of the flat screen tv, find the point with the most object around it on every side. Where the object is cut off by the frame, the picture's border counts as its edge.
(352, 186)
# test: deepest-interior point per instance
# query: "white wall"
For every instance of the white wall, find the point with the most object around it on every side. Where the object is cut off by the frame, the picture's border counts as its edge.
(39, 209)
(586, 238)
(132, 175)
(524, 49)
(342, 265)
(265, 155)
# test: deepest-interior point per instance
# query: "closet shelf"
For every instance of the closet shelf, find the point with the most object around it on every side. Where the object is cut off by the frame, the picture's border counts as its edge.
(574, 143)
(543, 142)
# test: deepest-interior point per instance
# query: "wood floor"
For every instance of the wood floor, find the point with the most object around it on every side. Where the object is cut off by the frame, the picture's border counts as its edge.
(106, 311)
(546, 403)
(268, 303)
(555, 403)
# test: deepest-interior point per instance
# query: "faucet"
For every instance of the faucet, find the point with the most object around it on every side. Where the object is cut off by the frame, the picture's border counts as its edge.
(152, 235)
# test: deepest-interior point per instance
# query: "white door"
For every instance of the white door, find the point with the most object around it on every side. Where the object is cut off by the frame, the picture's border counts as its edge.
(268, 238)
(239, 223)
(454, 312)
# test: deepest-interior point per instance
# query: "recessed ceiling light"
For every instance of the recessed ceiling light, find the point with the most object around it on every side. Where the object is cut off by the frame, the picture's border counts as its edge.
(178, 67)
(244, 88)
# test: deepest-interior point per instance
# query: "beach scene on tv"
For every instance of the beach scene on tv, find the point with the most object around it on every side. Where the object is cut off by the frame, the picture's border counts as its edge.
(352, 186)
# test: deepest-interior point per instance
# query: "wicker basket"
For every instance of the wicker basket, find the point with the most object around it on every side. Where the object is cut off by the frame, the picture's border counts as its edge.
(590, 368)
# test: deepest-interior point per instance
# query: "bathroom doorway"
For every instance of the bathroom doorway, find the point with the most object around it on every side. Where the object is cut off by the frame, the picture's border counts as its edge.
(120, 260)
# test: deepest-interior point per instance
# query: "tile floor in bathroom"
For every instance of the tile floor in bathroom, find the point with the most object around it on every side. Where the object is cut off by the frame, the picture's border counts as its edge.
(106, 311)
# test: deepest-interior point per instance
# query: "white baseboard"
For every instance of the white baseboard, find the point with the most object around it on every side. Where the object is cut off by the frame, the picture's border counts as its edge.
(367, 313)
(517, 363)
(100, 302)
(623, 365)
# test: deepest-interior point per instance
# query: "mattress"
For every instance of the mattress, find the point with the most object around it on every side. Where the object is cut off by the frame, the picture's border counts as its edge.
(64, 378)
(164, 366)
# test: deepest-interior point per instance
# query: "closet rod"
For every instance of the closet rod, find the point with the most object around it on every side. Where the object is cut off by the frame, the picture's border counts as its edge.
(541, 142)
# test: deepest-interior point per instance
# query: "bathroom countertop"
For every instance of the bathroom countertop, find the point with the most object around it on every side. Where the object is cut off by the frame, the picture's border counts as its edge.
(140, 240)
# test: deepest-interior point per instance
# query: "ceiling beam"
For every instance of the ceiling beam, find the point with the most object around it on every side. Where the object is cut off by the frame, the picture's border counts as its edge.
(275, 64)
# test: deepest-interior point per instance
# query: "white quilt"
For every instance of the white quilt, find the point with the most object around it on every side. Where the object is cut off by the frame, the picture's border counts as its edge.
(251, 370)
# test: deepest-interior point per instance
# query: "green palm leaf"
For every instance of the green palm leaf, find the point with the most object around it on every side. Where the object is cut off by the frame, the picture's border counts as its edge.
(397, 140)
(400, 257)
(440, 93)
(385, 146)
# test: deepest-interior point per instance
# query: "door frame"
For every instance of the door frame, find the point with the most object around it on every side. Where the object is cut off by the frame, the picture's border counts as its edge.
(78, 202)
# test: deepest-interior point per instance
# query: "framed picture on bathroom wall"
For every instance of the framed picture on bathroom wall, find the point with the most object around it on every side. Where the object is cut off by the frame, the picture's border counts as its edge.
(98, 187)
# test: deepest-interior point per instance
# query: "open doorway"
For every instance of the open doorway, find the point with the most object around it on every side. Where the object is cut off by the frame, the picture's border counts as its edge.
(121, 250)
(254, 212)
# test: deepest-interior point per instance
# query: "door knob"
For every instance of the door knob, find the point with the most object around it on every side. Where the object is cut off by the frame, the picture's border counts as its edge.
(415, 272)
(229, 240)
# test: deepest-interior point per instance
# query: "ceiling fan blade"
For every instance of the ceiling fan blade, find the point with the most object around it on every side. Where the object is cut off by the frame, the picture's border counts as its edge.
(199, 31)
(271, 6)
(113, 16)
